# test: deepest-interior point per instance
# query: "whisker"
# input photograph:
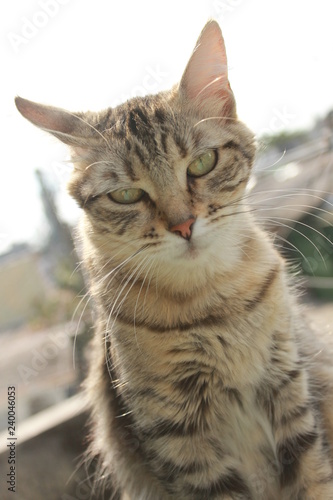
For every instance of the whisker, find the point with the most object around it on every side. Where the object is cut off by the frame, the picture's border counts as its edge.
(156, 277)
(151, 263)
(304, 236)
(79, 322)
(89, 125)
(128, 278)
(231, 214)
(307, 226)
(218, 78)
(292, 192)
(223, 118)
(297, 250)
(273, 164)
(119, 266)
(97, 163)
(293, 207)
(138, 268)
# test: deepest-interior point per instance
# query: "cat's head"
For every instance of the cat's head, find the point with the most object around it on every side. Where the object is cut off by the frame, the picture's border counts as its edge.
(164, 171)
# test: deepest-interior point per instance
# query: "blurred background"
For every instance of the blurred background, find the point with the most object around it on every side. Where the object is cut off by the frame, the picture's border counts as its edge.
(83, 55)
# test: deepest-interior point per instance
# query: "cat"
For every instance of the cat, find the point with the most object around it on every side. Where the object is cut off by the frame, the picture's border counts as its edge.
(204, 381)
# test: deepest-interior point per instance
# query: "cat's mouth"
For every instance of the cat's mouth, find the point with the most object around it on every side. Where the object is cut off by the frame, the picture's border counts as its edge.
(189, 250)
(192, 251)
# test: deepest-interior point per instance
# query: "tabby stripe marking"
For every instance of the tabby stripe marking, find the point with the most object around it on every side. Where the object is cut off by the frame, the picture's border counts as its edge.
(141, 128)
(228, 483)
(181, 146)
(169, 470)
(142, 116)
(132, 123)
(252, 303)
(234, 145)
(193, 384)
(150, 393)
(234, 186)
(234, 396)
(129, 170)
(210, 320)
(326, 445)
(290, 377)
(160, 115)
(128, 219)
(120, 220)
(105, 123)
(223, 341)
(165, 427)
(290, 453)
(294, 414)
(164, 138)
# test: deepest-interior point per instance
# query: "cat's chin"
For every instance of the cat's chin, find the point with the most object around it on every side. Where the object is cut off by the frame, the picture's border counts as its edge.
(198, 248)
(192, 252)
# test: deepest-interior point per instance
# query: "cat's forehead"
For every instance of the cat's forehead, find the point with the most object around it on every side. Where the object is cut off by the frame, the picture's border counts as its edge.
(153, 134)
(147, 122)
(145, 139)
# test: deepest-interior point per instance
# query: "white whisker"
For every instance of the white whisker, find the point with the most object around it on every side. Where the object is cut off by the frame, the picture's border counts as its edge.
(150, 264)
(273, 164)
(89, 125)
(303, 235)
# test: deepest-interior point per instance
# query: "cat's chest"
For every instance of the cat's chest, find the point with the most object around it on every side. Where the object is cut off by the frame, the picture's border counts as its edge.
(209, 422)
(240, 428)
(248, 436)
(201, 392)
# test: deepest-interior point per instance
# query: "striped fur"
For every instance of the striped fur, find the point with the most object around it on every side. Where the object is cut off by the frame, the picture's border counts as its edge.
(204, 382)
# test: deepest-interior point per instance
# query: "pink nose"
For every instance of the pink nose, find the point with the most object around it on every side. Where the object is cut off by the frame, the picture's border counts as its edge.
(184, 229)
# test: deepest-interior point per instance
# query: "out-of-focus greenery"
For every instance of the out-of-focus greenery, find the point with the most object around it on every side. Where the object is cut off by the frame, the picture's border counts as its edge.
(285, 140)
(313, 239)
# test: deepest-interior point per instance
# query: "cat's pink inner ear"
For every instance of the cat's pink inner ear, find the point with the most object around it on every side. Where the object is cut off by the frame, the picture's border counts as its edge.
(46, 117)
(72, 129)
(206, 74)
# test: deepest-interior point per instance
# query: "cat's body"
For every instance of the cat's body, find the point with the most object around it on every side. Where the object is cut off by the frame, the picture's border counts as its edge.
(204, 382)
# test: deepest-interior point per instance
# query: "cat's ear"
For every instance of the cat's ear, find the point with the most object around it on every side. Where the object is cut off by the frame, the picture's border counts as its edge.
(72, 129)
(205, 80)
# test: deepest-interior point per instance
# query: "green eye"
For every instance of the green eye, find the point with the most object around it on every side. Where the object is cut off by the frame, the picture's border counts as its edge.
(202, 165)
(126, 196)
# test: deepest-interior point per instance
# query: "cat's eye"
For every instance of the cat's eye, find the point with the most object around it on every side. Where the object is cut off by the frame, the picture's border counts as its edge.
(203, 165)
(126, 196)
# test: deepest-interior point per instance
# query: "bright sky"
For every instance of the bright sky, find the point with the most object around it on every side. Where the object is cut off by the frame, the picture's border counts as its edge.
(81, 54)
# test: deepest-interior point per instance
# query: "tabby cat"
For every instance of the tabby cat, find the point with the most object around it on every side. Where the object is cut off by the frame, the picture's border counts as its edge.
(204, 381)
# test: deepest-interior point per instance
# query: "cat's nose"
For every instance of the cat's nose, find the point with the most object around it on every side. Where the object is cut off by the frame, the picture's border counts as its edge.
(184, 229)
